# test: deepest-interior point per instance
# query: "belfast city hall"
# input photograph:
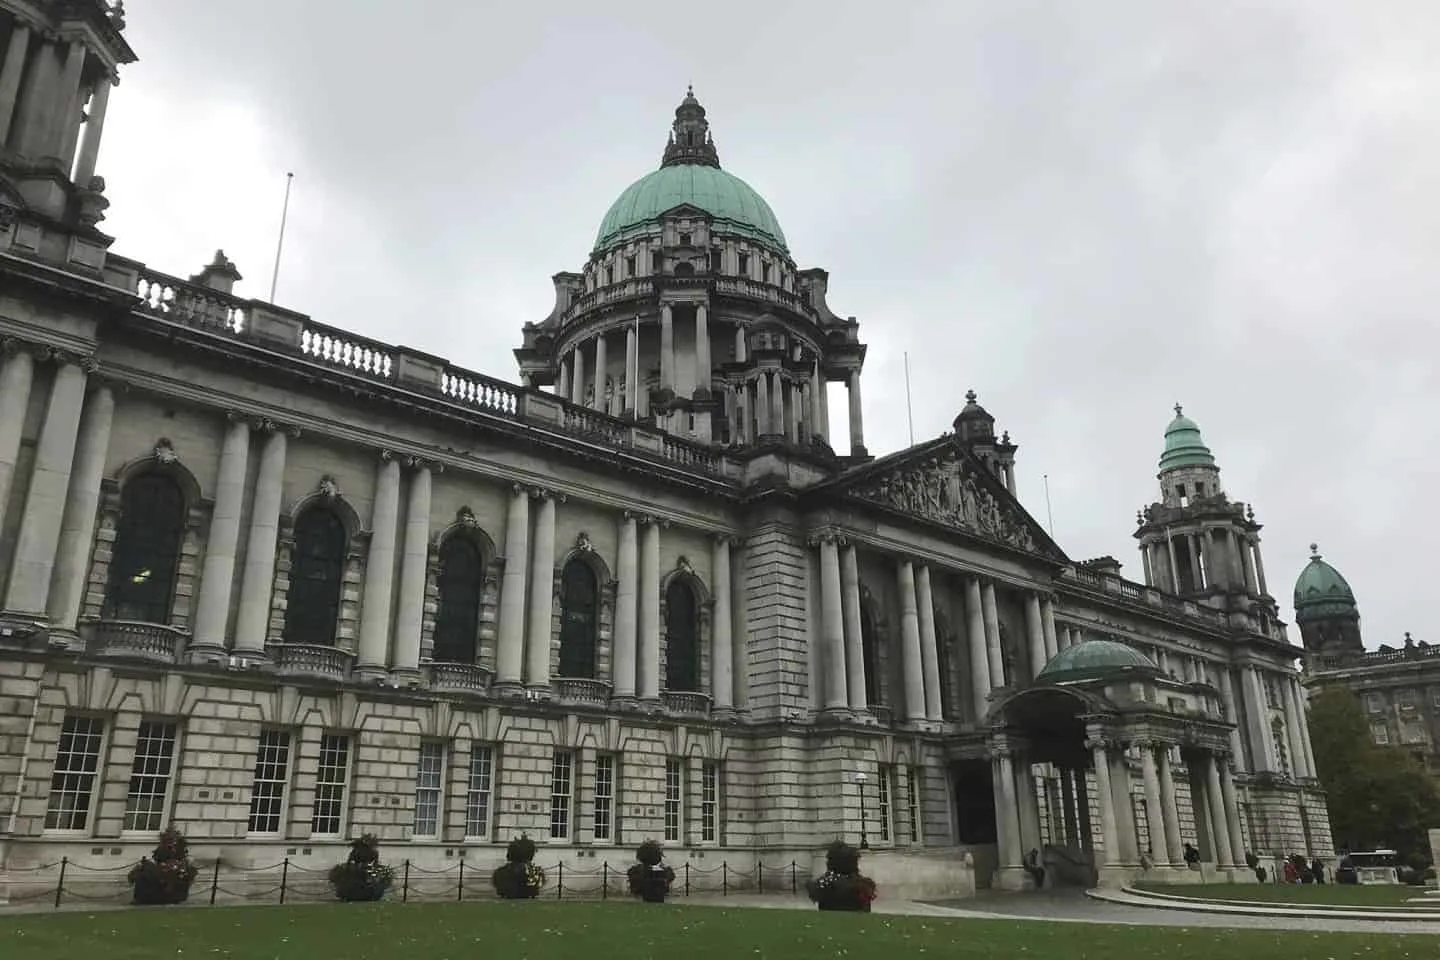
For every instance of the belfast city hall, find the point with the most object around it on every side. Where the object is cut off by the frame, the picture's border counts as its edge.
(280, 585)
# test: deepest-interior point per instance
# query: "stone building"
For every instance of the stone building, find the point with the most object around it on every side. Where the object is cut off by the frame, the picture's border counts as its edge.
(1399, 688)
(282, 585)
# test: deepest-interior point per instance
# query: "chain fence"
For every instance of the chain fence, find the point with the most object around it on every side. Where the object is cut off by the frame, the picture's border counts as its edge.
(217, 882)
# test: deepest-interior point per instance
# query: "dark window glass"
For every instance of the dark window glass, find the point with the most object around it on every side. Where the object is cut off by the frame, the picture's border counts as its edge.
(312, 608)
(579, 620)
(682, 638)
(868, 653)
(457, 619)
(147, 550)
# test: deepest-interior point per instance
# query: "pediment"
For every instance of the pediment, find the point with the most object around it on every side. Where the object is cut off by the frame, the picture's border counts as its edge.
(685, 211)
(941, 484)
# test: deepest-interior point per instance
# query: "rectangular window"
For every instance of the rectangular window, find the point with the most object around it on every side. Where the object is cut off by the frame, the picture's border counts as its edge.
(654, 261)
(629, 266)
(882, 784)
(605, 797)
(562, 769)
(331, 775)
(912, 799)
(429, 775)
(272, 774)
(710, 802)
(684, 239)
(674, 798)
(149, 794)
(1379, 733)
(477, 798)
(743, 266)
(72, 783)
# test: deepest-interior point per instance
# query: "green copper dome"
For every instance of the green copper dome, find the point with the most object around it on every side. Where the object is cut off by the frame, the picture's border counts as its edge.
(1183, 446)
(1094, 660)
(1321, 591)
(734, 204)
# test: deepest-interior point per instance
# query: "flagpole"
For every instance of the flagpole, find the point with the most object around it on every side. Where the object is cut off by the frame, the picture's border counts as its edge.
(1049, 514)
(909, 412)
(280, 241)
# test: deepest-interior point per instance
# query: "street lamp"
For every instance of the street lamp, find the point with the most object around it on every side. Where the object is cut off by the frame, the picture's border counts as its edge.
(864, 840)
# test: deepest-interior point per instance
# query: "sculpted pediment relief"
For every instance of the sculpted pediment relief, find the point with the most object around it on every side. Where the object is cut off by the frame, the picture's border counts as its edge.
(945, 488)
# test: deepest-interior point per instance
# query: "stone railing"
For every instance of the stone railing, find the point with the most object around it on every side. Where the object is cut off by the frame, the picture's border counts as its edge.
(883, 715)
(1139, 593)
(132, 639)
(464, 677)
(745, 287)
(580, 690)
(173, 300)
(632, 289)
(310, 660)
(685, 703)
(1377, 658)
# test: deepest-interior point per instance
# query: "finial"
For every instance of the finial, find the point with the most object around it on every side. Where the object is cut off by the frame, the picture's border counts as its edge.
(1005, 437)
(1314, 551)
(969, 396)
(1409, 640)
(1179, 411)
(1139, 518)
(689, 89)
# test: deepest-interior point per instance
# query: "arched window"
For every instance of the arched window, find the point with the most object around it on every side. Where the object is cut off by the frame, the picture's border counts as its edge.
(869, 654)
(579, 620)
(682, 638)
(147, 550)
(457, 619)
(317, 562)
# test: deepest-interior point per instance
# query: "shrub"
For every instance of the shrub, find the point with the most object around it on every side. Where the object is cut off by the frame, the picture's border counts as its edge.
(166, 876)
(518, 878)
(362, 876)
(650, 879)
(842, 886)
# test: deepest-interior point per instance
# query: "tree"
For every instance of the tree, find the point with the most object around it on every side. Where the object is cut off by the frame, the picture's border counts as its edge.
(1379, 796)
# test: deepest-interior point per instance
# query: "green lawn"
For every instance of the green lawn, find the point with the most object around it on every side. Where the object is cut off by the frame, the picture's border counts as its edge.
(631, 931)
(1329, 894)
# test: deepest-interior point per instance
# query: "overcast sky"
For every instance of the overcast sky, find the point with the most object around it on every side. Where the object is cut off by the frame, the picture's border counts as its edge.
(1084, 211)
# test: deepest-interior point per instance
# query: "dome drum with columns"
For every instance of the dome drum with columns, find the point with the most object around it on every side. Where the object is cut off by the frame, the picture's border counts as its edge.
(691, 314)
(491, 608)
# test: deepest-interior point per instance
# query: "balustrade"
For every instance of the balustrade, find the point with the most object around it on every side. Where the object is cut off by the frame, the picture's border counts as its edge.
(685, 704)
(464, 677)
(580, 690)
(311, 660)
(338, 348)
(477, 390)
(132, 639)
(189, 303)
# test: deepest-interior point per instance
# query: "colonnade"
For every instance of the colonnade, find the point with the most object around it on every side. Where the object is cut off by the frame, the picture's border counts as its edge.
(1216, 555)
(841, 636)
(1214, 805)
(51, 565)
(45, 83)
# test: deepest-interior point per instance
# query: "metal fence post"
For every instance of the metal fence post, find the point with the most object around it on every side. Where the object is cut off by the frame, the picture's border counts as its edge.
(687, 878)
(60, 884)
(724, 878)
(215, 882)
(759, 877)
(460, 894)
(794, 878)
(559, 879)
(405, 883)
(284, 877)
(605, 880)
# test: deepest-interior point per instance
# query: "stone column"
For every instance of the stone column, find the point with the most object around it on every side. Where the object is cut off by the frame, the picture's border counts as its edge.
(1129, 844)
(762, 405)
(562, 380)
(94, 127)
(34, 562)
(217, 575)
(777, 401)
(667, 347)
(797, 412)
(1047, 623)
(1028, 803)
(1110, 831)
(1294, 729)
(77, 529)
(622, 661)
(10, 75)
(542, 594)
(857, 415)
(1232, 811)
(740, 355)
(414, 570)
(702, 348)
(632, 370)
(1008, 813)
(252, 621)
(510, 648)
(992, 637)
(975, 641)
(817, 409)
(1232, 712)
(824, 408)
(1154, 815)
(17, 376)
(832, 627)
(914, 671)
(1247, 564)
(854, 630)
(1224, 851)
(577, 375)
(71, 101)
(1169, 808)
(929, 654)
(1260, 567)
(1035, 632)
(602, 371)
(649, 638)
(1301, 704)
(1257, 710)
(722, 658)
(1174, 564)
(377, 602)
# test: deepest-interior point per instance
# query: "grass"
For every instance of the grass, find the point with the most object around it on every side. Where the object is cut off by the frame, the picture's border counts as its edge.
(601, 931)
(1300, 894)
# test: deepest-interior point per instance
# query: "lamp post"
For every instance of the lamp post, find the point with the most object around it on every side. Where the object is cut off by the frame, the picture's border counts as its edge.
(864, 839)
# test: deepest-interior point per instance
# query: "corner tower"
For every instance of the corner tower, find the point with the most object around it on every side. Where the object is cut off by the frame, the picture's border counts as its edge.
(1195, 541)
(692, 317)
(1326, 611)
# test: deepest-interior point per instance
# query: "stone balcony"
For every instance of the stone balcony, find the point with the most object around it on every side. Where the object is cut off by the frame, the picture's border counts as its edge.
(310, 661)
(581, 691)
(685, 703)
(134, 640)
(457, 677)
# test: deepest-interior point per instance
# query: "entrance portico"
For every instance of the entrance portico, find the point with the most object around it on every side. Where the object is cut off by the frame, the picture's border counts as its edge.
(1068, 753)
